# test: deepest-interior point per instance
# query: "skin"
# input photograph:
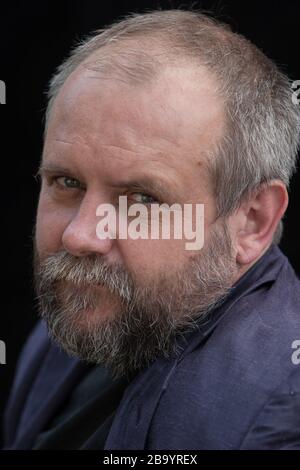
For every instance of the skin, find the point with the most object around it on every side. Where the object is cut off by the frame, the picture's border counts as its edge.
(104, 132)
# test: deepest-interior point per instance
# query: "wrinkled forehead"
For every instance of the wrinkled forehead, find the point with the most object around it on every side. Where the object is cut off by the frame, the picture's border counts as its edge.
(165, 126)
(180, 103)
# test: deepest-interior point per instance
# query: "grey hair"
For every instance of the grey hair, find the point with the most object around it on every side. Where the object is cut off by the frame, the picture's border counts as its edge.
(262, 122)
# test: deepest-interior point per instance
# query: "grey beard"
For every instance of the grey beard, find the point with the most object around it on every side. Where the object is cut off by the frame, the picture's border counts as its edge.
(148, 320)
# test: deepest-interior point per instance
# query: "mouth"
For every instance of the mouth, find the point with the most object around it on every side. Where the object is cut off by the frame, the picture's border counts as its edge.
(95, 293)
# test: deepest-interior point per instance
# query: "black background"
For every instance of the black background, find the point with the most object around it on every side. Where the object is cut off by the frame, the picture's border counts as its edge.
(34, 39)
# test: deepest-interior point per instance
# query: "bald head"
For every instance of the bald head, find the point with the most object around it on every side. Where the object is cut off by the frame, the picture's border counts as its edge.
(256, 147)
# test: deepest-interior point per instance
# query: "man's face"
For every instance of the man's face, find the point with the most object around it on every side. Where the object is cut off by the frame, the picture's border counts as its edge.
(108, 139)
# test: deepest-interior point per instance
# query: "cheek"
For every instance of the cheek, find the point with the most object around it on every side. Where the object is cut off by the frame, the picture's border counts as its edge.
(50, 225)
(146, 259)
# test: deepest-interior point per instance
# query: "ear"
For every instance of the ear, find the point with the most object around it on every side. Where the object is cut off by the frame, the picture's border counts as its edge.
(256, 220)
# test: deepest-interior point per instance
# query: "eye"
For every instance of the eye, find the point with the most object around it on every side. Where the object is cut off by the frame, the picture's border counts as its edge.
(66, 182)
(143, 198)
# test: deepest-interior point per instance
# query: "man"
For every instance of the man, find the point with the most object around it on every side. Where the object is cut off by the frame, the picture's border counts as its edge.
(153, 346)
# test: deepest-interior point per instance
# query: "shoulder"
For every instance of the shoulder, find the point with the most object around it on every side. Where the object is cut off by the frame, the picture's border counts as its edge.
(36, 345)
(235, 377)
(277, 424)
(29, 363)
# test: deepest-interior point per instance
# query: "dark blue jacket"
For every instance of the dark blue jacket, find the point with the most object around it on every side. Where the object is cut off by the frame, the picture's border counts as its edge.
(234, 385)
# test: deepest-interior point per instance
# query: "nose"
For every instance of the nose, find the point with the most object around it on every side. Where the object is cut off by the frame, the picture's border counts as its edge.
(80, 237)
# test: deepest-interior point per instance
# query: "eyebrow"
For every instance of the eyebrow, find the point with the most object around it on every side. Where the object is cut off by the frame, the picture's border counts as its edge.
(52, 168)
(154, 185)
(145, 182)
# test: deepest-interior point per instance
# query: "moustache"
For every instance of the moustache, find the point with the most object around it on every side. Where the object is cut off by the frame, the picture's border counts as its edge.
(89, 271)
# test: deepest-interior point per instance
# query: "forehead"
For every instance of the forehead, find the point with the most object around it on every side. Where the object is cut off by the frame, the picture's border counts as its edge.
(172, 120)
